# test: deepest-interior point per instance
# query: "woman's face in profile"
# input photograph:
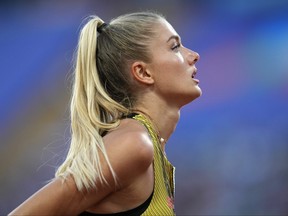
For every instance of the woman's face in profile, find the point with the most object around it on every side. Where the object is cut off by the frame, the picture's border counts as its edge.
(173, 66)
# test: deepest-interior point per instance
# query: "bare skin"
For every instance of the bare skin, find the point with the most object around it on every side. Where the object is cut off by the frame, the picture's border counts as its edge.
(166, 84)
(135, 184)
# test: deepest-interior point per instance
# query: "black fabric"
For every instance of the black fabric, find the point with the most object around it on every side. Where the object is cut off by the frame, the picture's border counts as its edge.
(133, 212)
(130, 115)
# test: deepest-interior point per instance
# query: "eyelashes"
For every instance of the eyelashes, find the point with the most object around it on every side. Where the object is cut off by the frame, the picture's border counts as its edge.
(176, 47)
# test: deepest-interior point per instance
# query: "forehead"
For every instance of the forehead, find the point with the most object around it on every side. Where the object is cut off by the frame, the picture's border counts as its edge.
(164, 30)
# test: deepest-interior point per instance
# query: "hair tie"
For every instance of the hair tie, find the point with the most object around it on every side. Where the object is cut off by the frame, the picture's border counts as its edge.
(102, 27)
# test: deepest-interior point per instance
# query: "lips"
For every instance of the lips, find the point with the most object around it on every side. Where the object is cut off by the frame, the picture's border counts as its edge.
(193, 76)
(194, 73)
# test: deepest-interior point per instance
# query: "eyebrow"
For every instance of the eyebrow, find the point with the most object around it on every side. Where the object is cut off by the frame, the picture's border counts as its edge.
(176, 37)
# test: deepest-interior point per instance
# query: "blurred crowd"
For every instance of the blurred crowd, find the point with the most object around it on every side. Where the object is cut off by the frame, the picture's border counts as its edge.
(230, 148)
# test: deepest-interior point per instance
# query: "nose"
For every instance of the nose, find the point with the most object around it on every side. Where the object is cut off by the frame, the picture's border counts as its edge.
(192, 57)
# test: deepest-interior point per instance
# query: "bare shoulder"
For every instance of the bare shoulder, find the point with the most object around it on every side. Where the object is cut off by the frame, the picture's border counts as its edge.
(130, 151)
(129, 148)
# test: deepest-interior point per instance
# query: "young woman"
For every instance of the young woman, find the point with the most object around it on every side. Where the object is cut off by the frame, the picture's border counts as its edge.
(132, 76)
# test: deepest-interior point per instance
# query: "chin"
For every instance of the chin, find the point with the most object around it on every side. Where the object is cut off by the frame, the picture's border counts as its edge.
(196, 94)
(199, 92)
(189, 98)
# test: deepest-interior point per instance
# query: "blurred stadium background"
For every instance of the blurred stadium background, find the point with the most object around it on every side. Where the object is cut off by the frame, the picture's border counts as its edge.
(230, 148)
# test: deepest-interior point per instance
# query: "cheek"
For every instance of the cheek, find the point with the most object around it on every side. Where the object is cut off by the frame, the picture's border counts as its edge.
(180, 58)
(173, 63)
(169, 65)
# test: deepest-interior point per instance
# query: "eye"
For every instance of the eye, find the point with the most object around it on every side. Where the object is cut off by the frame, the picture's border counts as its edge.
(176, 47)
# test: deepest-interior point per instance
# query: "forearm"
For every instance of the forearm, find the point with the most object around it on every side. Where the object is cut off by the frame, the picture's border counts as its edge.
(53, 199)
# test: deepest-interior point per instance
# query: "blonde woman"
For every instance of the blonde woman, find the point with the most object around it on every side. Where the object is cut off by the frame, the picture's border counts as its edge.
(132, 76)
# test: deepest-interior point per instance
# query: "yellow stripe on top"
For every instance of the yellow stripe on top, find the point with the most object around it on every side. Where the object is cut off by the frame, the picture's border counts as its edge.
(162, 202)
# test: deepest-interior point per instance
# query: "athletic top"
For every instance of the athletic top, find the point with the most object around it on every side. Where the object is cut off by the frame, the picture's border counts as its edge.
(161, 201)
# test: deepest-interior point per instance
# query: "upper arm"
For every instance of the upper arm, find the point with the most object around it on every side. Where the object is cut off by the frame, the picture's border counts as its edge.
(130, 155)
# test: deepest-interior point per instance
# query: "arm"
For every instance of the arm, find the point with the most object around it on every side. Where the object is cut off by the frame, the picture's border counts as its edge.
(59, 198)
(130, 154)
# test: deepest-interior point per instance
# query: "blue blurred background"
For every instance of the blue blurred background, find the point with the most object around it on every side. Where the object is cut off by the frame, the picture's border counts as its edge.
(230, 148)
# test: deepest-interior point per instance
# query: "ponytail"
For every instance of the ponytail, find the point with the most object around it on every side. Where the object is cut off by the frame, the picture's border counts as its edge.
(104, 90)
(93, 112)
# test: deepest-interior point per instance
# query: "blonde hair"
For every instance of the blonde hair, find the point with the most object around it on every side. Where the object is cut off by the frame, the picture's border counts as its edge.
(103, 90)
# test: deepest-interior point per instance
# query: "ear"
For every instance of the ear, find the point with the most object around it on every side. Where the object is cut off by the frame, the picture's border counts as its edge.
(141, 73)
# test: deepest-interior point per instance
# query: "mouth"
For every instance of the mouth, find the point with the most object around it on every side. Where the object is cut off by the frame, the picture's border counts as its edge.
(194, 75)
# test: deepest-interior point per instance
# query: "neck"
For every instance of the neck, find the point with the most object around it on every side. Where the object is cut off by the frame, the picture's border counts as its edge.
(164, 119)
